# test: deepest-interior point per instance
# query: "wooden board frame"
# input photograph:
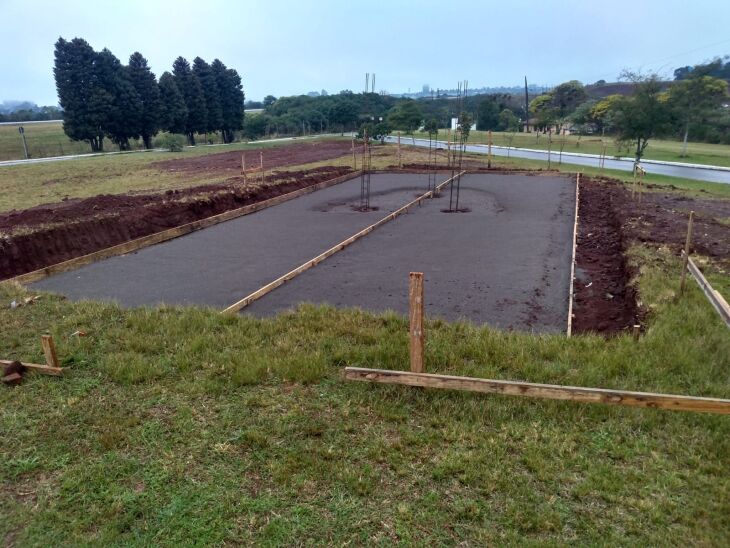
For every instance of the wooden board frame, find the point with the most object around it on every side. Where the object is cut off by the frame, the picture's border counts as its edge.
(544, 391)
(569, 331)
(716, 299)
(256, 295)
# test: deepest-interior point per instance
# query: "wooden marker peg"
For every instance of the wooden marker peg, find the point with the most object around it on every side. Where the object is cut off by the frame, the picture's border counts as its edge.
(49, 349)
(415, 306)
(685, 257)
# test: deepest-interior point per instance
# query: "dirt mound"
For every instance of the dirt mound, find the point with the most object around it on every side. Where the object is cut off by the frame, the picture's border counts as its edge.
(604, 300)
(274, 157)
(45, 235)
(610, 221)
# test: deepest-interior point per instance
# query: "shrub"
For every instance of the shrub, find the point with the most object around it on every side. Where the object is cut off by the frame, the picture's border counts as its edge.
(170, 141)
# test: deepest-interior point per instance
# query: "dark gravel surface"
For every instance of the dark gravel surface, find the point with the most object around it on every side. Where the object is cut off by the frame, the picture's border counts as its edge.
(222, 264)
(505, 262)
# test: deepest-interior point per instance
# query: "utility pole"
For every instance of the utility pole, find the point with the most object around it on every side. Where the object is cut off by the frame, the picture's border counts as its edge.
(527, 109)
(21, 130)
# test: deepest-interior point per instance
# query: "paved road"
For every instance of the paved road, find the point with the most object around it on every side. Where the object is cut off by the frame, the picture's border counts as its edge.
(714, 174)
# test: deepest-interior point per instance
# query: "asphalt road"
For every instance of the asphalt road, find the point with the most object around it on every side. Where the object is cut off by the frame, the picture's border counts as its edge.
(714, 174)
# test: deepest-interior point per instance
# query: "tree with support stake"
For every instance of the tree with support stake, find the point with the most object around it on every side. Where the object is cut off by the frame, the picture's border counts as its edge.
(21, 130)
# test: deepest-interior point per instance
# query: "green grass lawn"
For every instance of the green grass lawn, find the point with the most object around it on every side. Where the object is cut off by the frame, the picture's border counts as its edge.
(658, 149)
(180, 425)
(48, 139)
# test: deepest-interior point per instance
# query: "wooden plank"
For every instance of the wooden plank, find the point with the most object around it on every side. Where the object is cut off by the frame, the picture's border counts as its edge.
(716, 299)
(49, 350)
(571, 289)
(543, 391)
(243, 303)
(45, 369)
(685, 255)
(171, 233)
(415, 307)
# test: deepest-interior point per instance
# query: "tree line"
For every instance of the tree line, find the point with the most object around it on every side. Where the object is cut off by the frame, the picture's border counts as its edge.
(101, 97)
(695, 106)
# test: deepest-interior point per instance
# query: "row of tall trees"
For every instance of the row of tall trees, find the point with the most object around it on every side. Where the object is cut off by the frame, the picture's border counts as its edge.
(101, 97)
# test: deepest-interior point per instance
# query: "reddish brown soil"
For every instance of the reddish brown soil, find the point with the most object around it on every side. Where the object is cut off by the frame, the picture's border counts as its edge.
(52, 233)
(610, 221)
(274, 157)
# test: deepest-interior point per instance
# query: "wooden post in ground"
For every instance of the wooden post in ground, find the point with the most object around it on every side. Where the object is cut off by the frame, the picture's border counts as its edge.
(641, 183)
(415, 306)
(354, 158)
(550, 144)
(400, 158)
(685, 257)
(636, 331)
(489, 151)
(243, 166)
(261, 165)
(633, 187)
(49, 349)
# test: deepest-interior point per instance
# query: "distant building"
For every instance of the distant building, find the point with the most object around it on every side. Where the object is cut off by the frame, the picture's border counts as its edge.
(455, 124)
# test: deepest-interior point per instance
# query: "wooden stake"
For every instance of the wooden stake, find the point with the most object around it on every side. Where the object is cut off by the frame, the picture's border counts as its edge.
(49, 349)
(400, 158)
(636, 331)
(633, 187)
(489, 149)
(261, 166)
(354, 158)
(243, 166)
(415, 307)
(685, 257)
(545, 391)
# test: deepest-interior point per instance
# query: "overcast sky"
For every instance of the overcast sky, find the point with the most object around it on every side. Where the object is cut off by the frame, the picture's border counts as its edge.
(290, 47)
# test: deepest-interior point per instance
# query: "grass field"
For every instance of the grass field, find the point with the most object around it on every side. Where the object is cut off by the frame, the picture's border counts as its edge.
(180, 425)
(48, 139)
(658, 149)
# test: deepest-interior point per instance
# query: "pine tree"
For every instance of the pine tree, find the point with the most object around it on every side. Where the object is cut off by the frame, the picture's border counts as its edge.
(174, 113)
(191, 89)
(119, 101)
(232, 99)
(79, 95)
(202, 70)
(145, 84)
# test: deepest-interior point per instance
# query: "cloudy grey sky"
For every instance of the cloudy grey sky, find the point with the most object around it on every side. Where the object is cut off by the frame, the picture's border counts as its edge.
(288, 47)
